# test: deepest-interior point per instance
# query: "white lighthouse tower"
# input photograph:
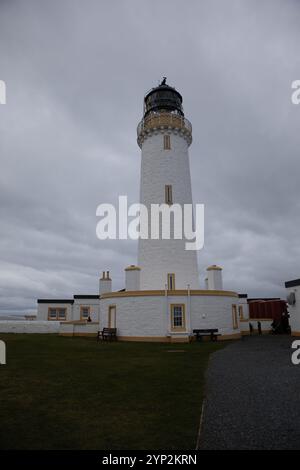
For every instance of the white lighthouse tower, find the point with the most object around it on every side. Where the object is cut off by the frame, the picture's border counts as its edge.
(164, 136)
(162, 299)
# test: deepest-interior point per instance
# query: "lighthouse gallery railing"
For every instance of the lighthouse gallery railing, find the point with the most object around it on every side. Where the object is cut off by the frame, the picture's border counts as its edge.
(158, 120)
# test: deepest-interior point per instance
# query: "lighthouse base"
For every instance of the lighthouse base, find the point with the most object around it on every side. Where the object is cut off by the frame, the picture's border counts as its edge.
(170, 316)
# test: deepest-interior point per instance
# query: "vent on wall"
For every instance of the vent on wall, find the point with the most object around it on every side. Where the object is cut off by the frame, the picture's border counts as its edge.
(291, 298)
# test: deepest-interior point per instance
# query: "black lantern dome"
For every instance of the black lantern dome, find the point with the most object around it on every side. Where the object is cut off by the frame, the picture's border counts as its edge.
(163, 98)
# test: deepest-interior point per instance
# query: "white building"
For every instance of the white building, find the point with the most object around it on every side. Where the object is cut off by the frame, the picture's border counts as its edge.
(293, 299)
(162, 299)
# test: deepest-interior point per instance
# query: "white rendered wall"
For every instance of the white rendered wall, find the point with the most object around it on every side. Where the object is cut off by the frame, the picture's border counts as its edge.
(244, 303)
(265, 325)
(10, 326)
(294, 310)
(157, 258)
(136, 316)
(214, 312)
(104, 286)
(75, 329)
(144, 316)
(214, 279)
(132, 279)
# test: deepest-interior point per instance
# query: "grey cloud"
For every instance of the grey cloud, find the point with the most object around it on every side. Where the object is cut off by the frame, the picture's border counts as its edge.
(76, 73)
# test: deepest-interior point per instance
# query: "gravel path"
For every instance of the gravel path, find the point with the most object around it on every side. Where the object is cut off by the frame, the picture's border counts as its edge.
(252, 396)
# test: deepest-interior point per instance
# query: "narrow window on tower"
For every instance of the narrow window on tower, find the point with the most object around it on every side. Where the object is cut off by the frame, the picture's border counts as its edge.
(171, 281)
(167, 142)
(168, 194)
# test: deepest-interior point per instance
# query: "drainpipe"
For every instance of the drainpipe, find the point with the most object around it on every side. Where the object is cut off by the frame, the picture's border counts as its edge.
(189, 308)
(167, 311)
(99, 311)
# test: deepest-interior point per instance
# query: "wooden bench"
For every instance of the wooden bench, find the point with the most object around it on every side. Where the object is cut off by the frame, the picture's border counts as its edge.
(212, 332)
(107, 334)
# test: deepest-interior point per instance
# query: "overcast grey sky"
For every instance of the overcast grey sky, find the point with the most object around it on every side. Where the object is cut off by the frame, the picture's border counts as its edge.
(76, 73)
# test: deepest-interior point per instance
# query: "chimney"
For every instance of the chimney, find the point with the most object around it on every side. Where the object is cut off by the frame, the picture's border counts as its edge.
(132, 278)
(104, 283)
(214, 278)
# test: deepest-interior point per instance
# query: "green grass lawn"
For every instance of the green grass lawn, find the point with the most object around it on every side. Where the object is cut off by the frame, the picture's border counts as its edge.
(75, 393)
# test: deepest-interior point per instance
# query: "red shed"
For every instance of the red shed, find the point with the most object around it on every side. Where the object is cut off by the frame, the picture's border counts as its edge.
(267, 308)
